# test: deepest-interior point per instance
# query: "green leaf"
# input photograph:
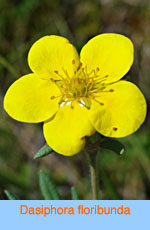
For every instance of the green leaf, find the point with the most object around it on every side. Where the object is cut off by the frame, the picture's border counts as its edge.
(10, 196)
(74, 194)
(44, 151)
(47, 186)
(113, 145)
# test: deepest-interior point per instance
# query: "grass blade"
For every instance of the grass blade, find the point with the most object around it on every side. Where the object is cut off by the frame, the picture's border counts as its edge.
(47, 186)
(74, 194)
(10, 196)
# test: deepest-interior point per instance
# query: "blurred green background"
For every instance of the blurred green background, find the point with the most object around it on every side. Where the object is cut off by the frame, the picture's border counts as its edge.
(22, 22)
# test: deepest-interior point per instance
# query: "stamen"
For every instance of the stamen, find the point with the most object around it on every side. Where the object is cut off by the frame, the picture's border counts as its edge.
(100, 78)
(54, 97)
(66, 73)
(100, 90)
(52, 79)
(80, 64)
(82, 87)
(75, 70)
(72, 107)
(85, 69)
(92, 71)
(101, 103)
(59, 75)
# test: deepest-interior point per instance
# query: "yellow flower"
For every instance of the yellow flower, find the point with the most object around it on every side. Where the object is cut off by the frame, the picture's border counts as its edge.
(76, 96)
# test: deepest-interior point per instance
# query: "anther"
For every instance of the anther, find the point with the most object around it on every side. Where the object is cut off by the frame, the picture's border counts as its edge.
(55, 71)
(52, 79)
(111, 90)
(97, 69)
(73, 61)
(72, 107)
(52, 97)
(115, 129)
(104, 77)
(101, 103)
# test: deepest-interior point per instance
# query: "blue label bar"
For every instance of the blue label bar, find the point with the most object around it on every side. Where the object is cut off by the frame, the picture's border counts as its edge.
(74, 214)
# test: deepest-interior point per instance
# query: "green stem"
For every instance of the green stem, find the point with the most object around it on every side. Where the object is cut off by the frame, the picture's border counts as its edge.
(92, 165)
(93, 182)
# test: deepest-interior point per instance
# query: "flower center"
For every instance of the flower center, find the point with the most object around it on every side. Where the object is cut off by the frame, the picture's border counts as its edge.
(82, 87)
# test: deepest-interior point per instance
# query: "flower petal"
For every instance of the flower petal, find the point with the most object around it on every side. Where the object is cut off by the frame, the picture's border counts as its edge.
(111, 54)
(123, 112)
(65, 133)
(29, 99)
(52, 54)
